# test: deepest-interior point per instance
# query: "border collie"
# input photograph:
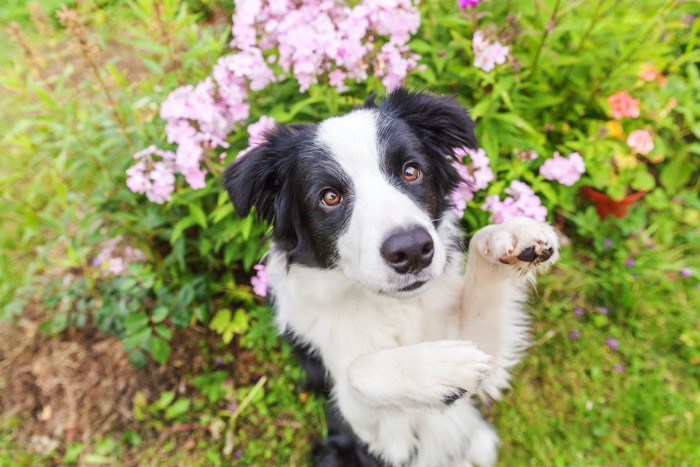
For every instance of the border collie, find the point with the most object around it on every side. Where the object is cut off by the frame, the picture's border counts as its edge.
(368, 277)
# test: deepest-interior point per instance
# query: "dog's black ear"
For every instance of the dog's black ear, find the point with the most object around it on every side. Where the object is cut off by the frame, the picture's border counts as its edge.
(440, 122)
(252, 180)
(264, 178)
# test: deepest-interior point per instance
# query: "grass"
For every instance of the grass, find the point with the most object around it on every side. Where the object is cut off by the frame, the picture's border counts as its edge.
(576, 400)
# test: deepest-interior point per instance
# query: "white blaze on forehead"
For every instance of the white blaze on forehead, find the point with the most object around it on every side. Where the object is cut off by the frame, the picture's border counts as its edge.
(379, 207)
(352, 141)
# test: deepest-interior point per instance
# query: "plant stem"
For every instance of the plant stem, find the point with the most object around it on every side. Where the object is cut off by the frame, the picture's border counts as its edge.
(547, 28)
(588, 31)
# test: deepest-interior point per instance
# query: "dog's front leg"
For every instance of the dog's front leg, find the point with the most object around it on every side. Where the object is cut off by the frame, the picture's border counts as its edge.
(379, 390)
(502, 265)
(428, 374)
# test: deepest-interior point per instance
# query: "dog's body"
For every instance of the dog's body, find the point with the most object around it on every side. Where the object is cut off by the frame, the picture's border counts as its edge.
(367, 273)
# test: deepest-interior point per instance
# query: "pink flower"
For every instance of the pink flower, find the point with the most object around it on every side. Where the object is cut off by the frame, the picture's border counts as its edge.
(526, 155)
(612, 343)
(257, 130)
(623, 105)
(486, 54)
(640, 141)
(565, 170)
(475, 176)
(113, 259)
(256, 133)
(648, 72)
(260, 281)
(522, 202)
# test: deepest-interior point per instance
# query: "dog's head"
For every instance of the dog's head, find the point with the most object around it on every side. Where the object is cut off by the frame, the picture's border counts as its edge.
(365, 192)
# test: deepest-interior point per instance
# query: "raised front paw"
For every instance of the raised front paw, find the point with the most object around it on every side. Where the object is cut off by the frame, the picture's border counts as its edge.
(433, 374)
(450, 370)
(520, 242)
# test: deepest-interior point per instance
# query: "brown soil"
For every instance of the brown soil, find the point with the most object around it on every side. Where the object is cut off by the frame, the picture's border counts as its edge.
(79, 386)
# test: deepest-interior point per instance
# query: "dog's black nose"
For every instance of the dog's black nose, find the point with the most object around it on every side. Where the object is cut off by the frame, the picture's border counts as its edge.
(408, 250)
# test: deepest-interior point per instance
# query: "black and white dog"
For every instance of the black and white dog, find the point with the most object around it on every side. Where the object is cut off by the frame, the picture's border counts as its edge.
(367, 273)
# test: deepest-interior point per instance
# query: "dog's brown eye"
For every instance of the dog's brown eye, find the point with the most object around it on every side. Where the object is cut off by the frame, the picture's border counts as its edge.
(330, 198)
(411, 173)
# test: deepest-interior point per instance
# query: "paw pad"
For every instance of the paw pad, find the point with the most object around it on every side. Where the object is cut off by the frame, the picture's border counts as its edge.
(534, 255)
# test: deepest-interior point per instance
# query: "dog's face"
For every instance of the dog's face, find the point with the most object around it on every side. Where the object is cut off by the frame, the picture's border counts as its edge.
(365, 192)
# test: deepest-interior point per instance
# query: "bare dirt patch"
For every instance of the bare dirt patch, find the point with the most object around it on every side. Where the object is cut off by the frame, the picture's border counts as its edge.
(79, 386)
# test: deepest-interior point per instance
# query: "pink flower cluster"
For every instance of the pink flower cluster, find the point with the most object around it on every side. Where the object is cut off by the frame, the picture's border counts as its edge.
(475, 176)
(623, 105)
(521, 202)
(488, 54)
(565, 170)
(640, 141)
(313, 37)
(111, 262)
(153, 174)
(307, 38)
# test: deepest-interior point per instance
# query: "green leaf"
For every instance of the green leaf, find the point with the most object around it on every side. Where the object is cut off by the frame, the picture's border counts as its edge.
(137, 340)
(135, 322)
(178, 408)
(163, 331)
(160, 350)
(643, 181)
(198, 215)
(160, 313)
(220, 321)
(166, 398)
(240, 323)
(182, 224)
(676, 173)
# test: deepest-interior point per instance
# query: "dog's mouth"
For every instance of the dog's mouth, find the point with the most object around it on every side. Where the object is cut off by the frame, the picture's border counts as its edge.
(414, 286)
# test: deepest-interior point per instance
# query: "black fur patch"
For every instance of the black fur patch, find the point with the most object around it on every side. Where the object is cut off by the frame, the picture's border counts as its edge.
(454, 396)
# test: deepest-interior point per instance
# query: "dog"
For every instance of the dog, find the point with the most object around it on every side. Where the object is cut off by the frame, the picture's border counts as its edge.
(368, 278)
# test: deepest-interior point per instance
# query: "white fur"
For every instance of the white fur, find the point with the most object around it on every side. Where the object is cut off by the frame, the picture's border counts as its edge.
(392, 358)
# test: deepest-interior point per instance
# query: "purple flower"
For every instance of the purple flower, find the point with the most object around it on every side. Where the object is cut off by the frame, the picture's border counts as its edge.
(685, 272)
(612, 343)
(629, 262)
(465, 3)
(218, 361)
(566, 171)
(603, 310)
(619, 368)
(578, 312)
(574, 335)
(607, 244)
(232, 406)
